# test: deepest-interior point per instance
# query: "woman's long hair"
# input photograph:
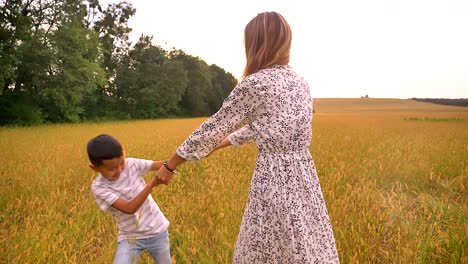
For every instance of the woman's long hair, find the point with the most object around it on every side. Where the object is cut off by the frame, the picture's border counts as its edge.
(267, 40)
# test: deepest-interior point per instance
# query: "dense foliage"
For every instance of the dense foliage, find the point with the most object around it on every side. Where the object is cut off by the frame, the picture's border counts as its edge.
(443, 101)
(70, 61)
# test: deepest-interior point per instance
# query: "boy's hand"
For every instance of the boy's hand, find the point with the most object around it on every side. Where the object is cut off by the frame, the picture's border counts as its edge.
(155, 182)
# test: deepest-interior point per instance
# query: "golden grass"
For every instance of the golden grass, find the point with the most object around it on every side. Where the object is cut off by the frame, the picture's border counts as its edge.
(395, 189)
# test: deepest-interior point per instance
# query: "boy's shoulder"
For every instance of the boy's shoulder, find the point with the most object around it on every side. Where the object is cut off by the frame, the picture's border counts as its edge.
(138, 166)
(98, 184)
(132, 159)
(131, 162)
(99, 181)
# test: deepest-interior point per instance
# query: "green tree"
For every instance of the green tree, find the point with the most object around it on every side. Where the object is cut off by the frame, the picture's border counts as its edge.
(222, 85)
(75, 72)
(195, 99)
(171, 87)
(113, 31)
(148, 84)
(24, 59)
(71, 60)
(111, 25)
(51, 60)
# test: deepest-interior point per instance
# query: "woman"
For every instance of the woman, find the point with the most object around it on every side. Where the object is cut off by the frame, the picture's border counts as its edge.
(285, 219)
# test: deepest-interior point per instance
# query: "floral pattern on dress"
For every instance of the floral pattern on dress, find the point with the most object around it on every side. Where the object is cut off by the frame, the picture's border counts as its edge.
(285, 219)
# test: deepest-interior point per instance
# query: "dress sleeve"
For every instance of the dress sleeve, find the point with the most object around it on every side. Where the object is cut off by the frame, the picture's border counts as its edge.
(241, 136)
(238, 109)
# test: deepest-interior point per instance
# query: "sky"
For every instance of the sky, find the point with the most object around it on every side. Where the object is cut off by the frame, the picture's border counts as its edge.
(344, 48)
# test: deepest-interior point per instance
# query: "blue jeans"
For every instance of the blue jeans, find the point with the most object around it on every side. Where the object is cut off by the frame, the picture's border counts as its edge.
(129, 251)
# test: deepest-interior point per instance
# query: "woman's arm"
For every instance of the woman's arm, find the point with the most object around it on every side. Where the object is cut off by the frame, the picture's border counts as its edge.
(224, 143)
(156, 165)
(165, 173)
(241, 136)
(174, 161)
(238, 109)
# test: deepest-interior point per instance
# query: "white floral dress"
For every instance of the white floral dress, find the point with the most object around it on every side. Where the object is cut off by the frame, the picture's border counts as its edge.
(285, 219)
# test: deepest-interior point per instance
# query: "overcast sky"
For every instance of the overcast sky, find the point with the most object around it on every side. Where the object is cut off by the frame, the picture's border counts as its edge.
(344, 48)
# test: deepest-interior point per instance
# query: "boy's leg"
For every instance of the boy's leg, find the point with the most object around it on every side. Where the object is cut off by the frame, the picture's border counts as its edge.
(159, 248)
(128, 251)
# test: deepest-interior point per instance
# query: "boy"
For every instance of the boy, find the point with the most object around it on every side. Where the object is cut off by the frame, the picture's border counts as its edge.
(120, 189)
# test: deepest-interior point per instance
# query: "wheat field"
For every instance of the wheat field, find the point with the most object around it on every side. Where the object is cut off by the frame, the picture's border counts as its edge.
(393, 173)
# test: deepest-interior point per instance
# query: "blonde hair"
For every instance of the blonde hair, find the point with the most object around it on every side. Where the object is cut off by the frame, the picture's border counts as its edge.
(267, 40)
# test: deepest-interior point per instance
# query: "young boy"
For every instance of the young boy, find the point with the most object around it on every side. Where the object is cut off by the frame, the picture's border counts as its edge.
(120, 189)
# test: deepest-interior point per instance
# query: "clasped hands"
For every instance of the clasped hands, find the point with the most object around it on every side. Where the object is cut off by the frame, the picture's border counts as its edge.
(167, 169)
(163, 176)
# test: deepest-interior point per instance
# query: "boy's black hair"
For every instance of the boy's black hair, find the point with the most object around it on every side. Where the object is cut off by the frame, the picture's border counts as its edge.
(103, 147)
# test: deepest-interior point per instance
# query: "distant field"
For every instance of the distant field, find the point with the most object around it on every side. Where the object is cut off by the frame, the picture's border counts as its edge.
(395, 188)
(369, 105)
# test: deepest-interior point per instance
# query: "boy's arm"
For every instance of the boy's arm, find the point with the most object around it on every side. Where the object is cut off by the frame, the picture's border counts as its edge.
(132, 206)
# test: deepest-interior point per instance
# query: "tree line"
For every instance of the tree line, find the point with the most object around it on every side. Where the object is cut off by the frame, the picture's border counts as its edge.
(71, 61)
(444, 101)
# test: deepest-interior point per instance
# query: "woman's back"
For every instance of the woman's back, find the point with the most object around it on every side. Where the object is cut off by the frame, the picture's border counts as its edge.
(283, 119)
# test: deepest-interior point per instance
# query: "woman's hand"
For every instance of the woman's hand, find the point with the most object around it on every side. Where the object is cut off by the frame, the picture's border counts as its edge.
(163, 176)
(168, 168)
